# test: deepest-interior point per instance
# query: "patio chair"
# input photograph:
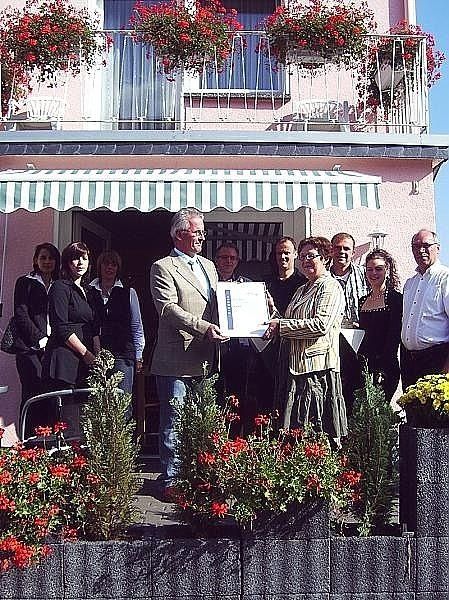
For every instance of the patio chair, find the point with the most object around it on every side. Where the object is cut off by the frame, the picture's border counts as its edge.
(321, 115)
(43, 112)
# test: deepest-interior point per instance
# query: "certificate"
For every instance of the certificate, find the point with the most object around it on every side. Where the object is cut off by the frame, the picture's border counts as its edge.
(242, 308)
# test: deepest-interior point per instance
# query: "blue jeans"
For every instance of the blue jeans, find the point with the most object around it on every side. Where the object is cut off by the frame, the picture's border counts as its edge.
(168, 388)
(126, 366)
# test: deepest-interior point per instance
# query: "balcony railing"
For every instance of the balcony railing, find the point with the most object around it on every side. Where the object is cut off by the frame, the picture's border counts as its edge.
(129, 91)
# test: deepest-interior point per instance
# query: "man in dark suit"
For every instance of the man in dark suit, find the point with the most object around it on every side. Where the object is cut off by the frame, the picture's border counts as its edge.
(183, 287)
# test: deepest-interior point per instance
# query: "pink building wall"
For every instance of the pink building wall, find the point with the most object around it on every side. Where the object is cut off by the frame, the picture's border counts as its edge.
(23, 232)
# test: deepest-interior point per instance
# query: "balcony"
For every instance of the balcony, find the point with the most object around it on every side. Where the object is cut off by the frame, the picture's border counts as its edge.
(129, 92)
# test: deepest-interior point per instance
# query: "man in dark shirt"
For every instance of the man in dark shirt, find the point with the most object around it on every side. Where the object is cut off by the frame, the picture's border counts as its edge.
(283, 285)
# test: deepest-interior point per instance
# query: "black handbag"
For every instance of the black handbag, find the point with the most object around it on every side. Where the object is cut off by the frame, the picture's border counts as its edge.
(10, 337)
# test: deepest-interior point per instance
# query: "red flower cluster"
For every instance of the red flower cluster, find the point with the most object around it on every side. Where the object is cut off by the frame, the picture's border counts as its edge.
(41, 494)
(315, 450)
(219, 509)
(332, 30)
(181, 38)
(46, 36)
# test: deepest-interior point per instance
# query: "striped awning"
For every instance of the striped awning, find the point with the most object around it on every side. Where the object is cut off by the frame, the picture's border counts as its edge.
(172, 189)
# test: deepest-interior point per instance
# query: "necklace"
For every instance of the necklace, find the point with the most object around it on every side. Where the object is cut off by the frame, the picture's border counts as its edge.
(377, 296)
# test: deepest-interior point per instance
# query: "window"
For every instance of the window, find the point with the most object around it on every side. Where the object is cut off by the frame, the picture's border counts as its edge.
(135, 93)
(247, 69)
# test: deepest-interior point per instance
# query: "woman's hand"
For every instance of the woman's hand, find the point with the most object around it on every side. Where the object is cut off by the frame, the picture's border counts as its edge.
(273, 329)
(88, 357)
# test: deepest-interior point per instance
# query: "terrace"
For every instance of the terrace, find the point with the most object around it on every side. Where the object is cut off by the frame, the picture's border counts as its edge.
(386, 94)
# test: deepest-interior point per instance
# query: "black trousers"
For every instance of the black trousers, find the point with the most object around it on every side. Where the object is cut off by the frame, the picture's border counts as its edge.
(417, 363)
(29, 368)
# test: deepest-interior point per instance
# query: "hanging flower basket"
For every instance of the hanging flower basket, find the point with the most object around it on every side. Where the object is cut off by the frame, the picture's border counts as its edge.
(331, 30)
(397, 56)
(49, 36)
(186, 39)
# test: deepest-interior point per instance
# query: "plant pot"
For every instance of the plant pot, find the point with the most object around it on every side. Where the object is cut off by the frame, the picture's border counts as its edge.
(305, 57)
(388, 78)
(301, 520)
(425, 417)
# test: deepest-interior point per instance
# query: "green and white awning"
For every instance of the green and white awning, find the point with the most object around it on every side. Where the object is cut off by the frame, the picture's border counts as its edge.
(172, 189)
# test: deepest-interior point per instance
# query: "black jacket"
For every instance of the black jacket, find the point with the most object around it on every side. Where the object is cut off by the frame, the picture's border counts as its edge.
(30, 312)
(70, 312)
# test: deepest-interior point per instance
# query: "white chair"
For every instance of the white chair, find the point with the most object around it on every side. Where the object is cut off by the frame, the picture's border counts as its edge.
(44, 112)
(322, 115)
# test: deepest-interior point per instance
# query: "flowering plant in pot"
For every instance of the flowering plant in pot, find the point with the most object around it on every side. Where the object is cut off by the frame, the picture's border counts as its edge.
(330, 31)
(76, 492)
(185, 38)
(43, 496)
(426, 403)
(47, 36)
(246, 478)
(395, 56)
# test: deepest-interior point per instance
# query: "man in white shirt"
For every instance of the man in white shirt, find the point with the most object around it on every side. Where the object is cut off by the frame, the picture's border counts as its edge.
(425, 323)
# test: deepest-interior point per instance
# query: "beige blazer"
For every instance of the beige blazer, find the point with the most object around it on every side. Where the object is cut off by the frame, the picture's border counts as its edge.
(312, 325)
(185, 313)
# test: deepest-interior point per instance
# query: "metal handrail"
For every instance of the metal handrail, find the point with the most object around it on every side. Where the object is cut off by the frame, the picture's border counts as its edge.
(59, 395)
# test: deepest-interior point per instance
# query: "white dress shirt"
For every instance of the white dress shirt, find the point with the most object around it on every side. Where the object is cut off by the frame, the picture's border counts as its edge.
(426, 308)
(137, 333)
(195, 265)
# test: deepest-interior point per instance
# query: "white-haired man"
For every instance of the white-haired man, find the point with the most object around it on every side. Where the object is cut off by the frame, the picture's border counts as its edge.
(183, 287)
(425, 322)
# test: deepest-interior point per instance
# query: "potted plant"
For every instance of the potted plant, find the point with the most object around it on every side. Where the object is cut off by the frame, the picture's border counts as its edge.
(393, 57)
(48, 36)
(317, 32)
(426, 403)
(183, 38)
(75, 492)
(264, 475)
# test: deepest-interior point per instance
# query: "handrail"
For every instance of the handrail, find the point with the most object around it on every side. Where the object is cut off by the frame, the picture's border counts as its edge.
(59, 394)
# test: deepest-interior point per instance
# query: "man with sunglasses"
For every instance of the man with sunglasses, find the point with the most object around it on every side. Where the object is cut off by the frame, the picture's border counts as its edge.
(425, 322)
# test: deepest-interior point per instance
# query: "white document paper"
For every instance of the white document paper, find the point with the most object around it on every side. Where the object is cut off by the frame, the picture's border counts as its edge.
(354, 337)
(242, 308)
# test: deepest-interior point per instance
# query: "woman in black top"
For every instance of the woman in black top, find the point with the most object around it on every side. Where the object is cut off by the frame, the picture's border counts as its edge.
(381, 316)
(74, 338)
(31, 318)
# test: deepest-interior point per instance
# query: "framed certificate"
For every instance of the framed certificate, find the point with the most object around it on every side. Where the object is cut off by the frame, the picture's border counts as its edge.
(242, 308)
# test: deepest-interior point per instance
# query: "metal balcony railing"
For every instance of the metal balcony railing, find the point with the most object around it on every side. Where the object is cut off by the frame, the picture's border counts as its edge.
(386, 93)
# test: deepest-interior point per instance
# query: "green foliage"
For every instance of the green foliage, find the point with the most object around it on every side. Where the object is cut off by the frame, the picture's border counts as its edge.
(370, 444)
(218, 475)
(112, 451)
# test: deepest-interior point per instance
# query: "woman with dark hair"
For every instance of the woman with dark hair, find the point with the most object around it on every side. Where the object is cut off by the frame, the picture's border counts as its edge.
(121, 329)
(31, 318)
(380, 316)
(74, 338)
(309, 381)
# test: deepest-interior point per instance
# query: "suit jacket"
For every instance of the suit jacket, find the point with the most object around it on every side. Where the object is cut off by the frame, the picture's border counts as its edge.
(69, 312)
(185, 313)
(30, 312)
(312, 325)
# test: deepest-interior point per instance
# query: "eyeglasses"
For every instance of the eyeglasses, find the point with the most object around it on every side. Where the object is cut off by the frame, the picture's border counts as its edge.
(425, 245)
(199, 233)
(308, 256)
(227, 257)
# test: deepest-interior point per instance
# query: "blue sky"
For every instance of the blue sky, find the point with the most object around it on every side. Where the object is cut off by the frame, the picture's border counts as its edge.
(433, 16)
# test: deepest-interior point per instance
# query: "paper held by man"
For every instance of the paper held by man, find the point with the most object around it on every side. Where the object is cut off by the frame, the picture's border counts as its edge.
(242, 308)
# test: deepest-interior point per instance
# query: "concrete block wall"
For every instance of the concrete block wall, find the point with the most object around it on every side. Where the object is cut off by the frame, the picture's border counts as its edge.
(170, 563)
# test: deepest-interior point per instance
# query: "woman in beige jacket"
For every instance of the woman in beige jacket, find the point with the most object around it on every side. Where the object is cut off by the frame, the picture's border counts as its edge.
(310, 385)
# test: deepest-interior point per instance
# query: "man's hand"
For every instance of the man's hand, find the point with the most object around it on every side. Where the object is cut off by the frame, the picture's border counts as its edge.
(273, 329)
(214, 334)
